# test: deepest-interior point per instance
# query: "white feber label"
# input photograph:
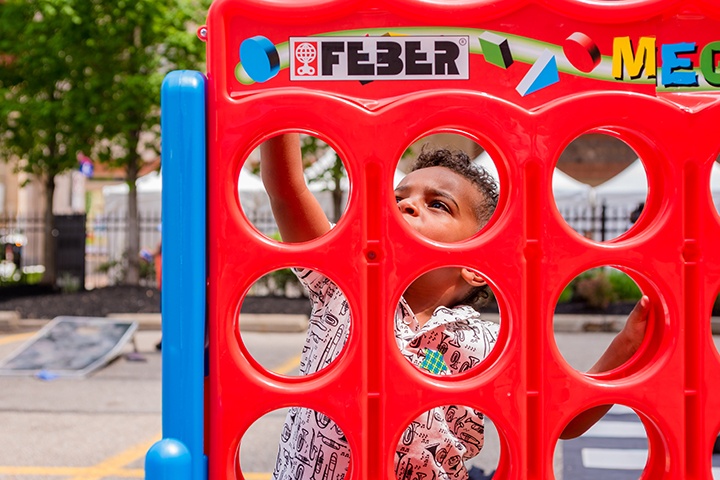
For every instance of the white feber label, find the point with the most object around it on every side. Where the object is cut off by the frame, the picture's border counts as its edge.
(379, 58)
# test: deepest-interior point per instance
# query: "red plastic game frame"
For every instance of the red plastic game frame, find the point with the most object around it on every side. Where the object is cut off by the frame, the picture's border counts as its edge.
(525, 387)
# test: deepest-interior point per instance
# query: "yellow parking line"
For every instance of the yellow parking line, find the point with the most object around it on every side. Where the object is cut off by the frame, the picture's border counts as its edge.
(67, 471)
(289, 366)
(114, 465)
(18, 337)
(111, 467)
(256, 476)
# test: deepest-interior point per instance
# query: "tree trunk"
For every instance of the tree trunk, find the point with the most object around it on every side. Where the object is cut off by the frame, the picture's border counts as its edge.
(337, 193)
(132, 276)
(49, 234)
(337, 196)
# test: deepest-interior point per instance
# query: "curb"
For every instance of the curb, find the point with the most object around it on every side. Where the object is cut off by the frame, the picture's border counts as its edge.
(10, 321)
(145, 321)
(251, 322)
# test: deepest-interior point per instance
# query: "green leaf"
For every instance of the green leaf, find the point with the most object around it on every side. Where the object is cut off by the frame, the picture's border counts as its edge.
(85, 76)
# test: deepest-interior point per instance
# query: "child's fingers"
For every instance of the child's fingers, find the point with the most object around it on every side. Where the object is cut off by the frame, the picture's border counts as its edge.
(637, 321)
(642, 308)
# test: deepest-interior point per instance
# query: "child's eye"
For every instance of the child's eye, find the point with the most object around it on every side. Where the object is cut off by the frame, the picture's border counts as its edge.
(440, 205)
(398, 199)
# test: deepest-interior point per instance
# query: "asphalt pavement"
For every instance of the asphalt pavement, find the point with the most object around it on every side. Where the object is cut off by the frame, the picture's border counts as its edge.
(100, 427)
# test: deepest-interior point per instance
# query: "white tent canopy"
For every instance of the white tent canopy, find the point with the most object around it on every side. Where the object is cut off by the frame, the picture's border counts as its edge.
(630, 187)
(325, 162)
(253, 198)
(149, 193)
(566, 189)
(627, 188)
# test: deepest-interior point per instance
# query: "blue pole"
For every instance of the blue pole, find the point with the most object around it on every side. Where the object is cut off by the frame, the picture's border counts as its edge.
(180, 454)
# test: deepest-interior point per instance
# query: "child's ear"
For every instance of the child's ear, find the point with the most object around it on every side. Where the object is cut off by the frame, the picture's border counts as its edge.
(473, 277)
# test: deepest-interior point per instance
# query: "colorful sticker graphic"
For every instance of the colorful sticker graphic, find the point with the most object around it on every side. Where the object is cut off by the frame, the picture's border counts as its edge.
(260, 58)
(432, 53)
(433, 362)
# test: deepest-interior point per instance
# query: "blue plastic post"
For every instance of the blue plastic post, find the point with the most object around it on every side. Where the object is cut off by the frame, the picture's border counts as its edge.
(180, 454)
(168, 459)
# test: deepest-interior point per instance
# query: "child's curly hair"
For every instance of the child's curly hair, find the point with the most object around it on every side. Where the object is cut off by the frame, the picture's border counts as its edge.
(460, 163)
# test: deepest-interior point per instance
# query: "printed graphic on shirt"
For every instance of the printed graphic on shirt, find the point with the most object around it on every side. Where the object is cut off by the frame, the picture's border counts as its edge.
(436, 444)
(433, 362)
(458, 334)
(311, 446)
(329, 322)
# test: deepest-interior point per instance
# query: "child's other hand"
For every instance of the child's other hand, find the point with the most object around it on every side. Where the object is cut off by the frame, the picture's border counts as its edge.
(621, 349)
(634, 331)
(627, 342)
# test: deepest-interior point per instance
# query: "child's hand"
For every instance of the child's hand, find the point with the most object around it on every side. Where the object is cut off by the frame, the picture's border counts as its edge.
(298, 213)
(627, 342)
(622, 348)
(634, 330)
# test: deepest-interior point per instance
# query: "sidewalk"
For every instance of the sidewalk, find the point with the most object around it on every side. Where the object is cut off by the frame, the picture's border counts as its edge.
(283, 323)
(10, 322)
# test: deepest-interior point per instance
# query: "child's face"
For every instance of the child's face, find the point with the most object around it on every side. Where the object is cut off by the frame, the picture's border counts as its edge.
(439, 204)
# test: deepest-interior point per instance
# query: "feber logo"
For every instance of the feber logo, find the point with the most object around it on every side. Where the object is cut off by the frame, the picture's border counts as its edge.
(306, 59)
(379, 58)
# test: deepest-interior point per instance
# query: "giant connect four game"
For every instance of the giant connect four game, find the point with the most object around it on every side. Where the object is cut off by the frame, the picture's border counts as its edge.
(521, 78)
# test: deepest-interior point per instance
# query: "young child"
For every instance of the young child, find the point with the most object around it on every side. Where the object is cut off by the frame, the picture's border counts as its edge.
(445, 198)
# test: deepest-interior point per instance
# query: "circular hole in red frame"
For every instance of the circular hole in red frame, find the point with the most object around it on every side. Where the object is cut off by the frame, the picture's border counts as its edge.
(451, 339)
(434, 163)
(450, 440)
(325, 177)
(593, 308)
(599, 186)
(294, 322)
(617, 441)
(295, 442)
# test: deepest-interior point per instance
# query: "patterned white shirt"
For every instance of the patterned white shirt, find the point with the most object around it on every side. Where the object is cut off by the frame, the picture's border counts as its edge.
(436, 444)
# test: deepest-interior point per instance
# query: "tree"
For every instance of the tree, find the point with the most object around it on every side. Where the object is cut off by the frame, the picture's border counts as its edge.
(85, 75)
(331, 174)
(144, 39)
(42, 128)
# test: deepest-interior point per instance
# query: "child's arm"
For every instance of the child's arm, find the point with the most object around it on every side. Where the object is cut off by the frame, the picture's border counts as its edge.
(623, 346)
(297, 212)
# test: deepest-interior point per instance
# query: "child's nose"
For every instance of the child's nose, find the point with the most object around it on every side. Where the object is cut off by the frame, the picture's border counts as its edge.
(406, 206)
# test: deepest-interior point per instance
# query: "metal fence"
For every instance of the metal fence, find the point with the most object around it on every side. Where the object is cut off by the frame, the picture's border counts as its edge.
(264, 222)
(106, 245)
(90, 251)
(599, 223)
(103, 245)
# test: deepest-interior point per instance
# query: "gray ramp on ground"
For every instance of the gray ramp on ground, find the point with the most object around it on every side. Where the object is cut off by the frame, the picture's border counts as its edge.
(70, 347)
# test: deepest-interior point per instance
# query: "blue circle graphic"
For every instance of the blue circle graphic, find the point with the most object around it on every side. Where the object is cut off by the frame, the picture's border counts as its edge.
(259, 58)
